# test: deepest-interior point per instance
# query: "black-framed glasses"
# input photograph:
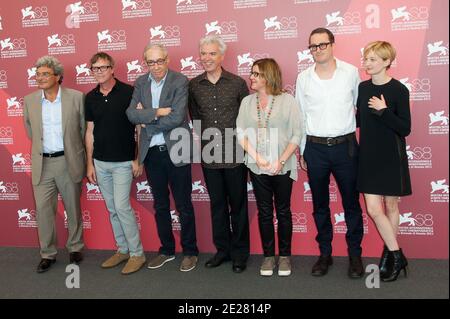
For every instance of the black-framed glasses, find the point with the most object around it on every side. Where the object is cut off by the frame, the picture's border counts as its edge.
(159, 62)
(102, 68)
(45, 75)
(255, 74)
(321, 46)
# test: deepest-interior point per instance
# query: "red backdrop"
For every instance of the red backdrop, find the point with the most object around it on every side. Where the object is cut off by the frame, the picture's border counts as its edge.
(73, 31)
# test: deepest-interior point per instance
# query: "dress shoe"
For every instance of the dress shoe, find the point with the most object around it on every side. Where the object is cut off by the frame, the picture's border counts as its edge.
(355, 267)
(239, 266)
(320, 268)
(45, 265)
(216, 261)
(75, 257)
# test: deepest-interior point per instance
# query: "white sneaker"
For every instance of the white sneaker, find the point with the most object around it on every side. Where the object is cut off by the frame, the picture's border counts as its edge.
(267, 266)
(284, 266)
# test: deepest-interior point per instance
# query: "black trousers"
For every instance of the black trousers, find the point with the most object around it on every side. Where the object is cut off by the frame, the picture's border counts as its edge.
(227, 188)
(323, 160)
(268, 189)
(161, 174)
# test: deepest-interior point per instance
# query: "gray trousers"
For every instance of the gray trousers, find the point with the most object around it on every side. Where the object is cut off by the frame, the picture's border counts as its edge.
(55, 178)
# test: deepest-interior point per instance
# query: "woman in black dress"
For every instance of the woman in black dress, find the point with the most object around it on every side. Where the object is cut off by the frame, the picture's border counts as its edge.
(384, 119)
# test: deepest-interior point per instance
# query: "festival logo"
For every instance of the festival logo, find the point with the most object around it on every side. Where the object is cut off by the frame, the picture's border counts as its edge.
(191, 6)
(169, 36)
(280, 28)
(34, 17)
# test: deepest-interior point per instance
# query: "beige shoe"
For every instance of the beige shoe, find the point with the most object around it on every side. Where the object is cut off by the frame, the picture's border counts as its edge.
(159, 261)
(284, 266)
(267, 266)
(188, 263)
(115, 259)
(134, 264)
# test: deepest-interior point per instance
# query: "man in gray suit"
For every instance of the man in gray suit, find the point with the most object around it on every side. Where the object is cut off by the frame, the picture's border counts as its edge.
(159, 104)
(54, 120)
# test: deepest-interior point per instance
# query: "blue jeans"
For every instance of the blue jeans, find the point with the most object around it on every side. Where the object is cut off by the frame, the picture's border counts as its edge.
(114, 180)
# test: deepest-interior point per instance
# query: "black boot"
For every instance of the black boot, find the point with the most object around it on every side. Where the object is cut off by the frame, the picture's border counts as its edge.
(395, 264)
(383, 261)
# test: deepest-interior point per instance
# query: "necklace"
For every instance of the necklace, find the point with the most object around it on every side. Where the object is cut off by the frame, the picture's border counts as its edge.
(262, 137)
(267, 117)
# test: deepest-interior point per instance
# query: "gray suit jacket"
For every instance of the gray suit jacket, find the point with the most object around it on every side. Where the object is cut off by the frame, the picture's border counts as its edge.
(73, 127)
(174, 94)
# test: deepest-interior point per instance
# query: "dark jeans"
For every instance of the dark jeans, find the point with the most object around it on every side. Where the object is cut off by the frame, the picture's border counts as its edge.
(161, 174)
(268, 189)
(227, 188)
(323, 160)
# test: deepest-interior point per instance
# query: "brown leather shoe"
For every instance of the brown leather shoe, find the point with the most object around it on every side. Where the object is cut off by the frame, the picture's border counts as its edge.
(134, 264)
(188, 263)
(115, 260)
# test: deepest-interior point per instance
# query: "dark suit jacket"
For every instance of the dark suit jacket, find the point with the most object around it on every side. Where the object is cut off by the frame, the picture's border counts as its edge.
(175, 126)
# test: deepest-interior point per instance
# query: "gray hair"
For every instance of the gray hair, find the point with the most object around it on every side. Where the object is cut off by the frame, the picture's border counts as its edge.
(156, 46)
(214, 39)
(52, 63)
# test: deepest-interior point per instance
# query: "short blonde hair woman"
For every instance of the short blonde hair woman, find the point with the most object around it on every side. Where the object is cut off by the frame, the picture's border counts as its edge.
(384, 118)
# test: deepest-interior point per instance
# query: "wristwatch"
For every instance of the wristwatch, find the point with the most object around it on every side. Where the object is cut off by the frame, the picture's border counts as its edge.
(282, 162)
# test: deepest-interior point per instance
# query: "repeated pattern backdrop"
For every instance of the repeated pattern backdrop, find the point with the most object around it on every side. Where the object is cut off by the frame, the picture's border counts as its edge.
(253, 29)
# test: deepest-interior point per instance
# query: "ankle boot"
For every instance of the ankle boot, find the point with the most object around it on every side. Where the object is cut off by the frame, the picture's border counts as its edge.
(396, 263)
(383, 261)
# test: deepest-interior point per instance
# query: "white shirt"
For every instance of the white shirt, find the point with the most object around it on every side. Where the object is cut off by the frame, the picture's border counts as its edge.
(52, 124)
(328, 106)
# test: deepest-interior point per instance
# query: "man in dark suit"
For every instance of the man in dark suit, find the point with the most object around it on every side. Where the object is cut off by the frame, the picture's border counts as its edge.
(159, 104)
(54, 120)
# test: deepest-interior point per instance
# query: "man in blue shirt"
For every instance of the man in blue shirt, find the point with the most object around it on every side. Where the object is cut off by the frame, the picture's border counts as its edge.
(54, 120)
(159, 104)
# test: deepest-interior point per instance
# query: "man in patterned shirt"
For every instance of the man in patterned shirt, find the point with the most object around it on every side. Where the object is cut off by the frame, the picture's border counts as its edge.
(214, 99)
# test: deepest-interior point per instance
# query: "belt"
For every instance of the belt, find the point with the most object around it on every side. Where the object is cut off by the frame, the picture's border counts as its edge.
(161, 148)
(330, 141)
(56, 154)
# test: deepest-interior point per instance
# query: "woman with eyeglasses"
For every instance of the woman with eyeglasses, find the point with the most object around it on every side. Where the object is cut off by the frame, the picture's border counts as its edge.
(384, 118)
(269, 130)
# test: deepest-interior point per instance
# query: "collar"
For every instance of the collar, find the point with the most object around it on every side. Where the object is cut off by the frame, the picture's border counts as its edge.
(224, 75)
(115, 87)
(58, 96)
(339, 65)
(152, 79)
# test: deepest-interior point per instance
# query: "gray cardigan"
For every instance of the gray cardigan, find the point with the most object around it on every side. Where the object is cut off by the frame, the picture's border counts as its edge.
(285, 117)
(174, 95)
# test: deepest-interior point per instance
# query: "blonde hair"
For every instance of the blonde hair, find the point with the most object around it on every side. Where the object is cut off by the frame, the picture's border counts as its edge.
(383, 49)
(272, 74)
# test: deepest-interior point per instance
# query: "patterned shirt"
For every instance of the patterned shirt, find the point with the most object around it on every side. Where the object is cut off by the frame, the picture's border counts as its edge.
(217, 107)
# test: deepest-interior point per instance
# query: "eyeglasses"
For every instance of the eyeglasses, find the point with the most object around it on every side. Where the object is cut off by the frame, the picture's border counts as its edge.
(255, 74)
(45, 75)
(102, 68)
(159, 62)
(321, 46)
